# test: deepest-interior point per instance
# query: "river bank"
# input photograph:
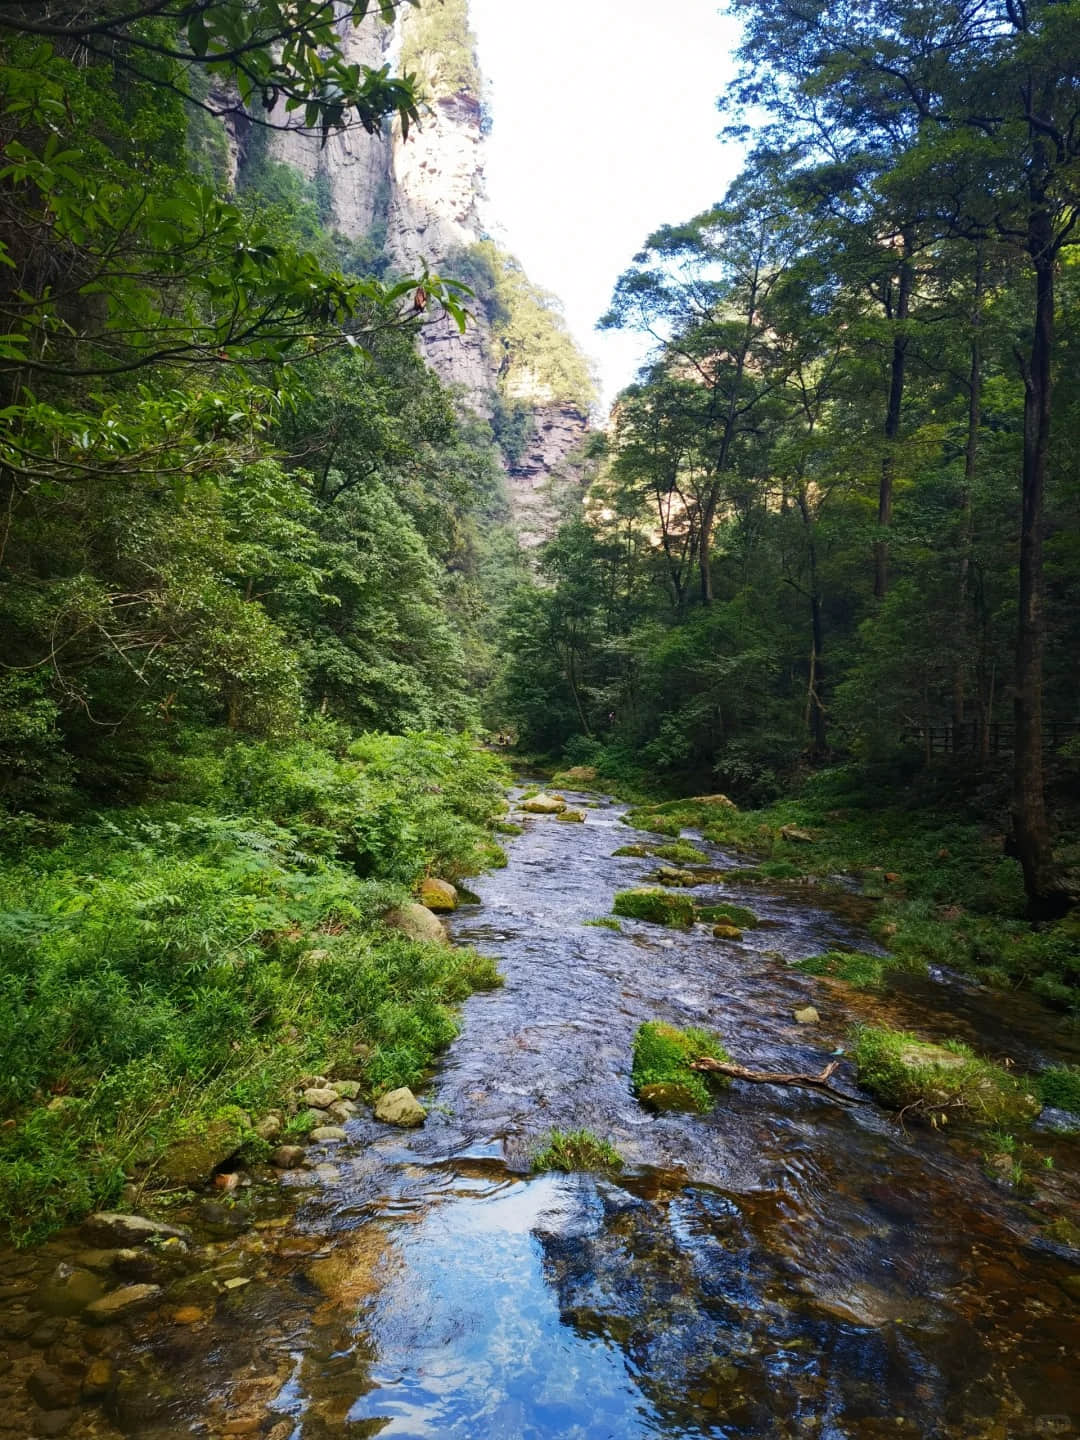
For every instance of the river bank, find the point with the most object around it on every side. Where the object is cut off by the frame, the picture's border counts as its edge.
(788, 1264)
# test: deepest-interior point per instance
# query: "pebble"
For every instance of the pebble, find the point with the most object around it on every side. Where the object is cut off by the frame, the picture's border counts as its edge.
(98, 1379)
(807, 1015)
(188, 1315)
(52, 1389)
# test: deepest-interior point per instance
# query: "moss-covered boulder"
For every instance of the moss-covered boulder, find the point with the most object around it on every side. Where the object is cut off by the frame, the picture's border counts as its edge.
(728, 914)
(438, 895)
(196, 1155)
(578, 777)
(543, 804)
(417, 922)
(930, 1081)
(661, 1075)
(660, 907)
(673, 876)
(638, 852)
(680, 852)
(571, 817)
(726, 932)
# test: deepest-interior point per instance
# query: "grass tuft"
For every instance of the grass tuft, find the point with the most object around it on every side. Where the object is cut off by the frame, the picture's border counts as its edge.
(576, 1150)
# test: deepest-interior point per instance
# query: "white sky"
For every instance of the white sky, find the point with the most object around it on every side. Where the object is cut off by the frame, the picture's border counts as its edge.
(605, 128)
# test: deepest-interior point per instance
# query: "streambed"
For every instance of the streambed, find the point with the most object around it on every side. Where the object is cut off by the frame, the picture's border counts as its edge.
(789, 1265)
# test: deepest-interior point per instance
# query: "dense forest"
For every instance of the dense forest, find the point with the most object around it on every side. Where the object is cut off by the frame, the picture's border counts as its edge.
(260, 589)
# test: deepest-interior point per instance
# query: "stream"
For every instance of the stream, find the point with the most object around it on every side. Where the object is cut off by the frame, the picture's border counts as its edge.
(793, 1264)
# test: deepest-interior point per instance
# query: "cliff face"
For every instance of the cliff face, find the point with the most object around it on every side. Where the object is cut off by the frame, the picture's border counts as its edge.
(420, 201)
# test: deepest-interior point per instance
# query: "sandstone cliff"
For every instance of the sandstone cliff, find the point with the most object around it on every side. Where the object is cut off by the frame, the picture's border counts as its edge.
(421, 201)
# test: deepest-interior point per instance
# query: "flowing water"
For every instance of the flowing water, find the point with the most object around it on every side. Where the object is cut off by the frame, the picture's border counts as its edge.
(793, 1264)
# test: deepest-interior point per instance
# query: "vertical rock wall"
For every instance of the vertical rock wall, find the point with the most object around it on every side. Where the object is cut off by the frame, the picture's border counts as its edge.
(428, 191)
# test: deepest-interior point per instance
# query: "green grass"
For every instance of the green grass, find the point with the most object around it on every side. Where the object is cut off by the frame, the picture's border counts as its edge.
(660, 907)
(940, 1083)
(1059, 1085)
(576, 1150)
(867, 972)
(604, 922)
(681, 852)
(662, 1055)
(727, 913)
(164, 969)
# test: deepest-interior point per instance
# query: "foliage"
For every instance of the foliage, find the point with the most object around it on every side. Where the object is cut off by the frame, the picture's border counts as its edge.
(166, 962)
(852, 966)
(576, 1150)
(660, 907)
(438, 47)
(725, 913)
(1059, 1085)
(937, 1083)
(662, 1055)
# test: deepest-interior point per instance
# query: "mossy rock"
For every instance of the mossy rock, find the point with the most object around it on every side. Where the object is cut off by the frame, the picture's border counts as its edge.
(195, 1156)
(507, 827)
(863, 971)
(578, 777)
(1060, 1086)
(571, 817)
(680, 852)
(671, 875)
(728, 914)
(661, 907)
(727, 932)
(661, 1075)
(438, 895)
(930, 1081)
(543, 804)
(638, 852)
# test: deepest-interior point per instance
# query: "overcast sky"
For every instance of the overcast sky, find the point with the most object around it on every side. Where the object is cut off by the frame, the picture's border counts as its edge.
(605, 128)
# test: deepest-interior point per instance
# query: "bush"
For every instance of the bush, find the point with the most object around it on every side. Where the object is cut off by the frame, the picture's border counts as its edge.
(576, 1150)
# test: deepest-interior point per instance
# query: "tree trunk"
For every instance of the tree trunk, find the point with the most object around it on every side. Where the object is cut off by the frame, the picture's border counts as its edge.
(892, 418)
(705, 554)
(967, 528)
(1030, 840)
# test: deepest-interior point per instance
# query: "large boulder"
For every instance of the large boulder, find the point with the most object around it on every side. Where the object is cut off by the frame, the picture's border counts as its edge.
(438, 895)
(194, 1159)
(400, 1107)
(572, 817)
(543, 805)
(417, 922)
(68, 1291)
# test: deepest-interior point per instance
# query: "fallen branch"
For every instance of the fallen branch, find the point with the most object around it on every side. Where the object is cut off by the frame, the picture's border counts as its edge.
(768, 1077)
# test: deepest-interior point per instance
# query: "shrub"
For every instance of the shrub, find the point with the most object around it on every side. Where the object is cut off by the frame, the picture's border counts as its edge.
(1060, 1086)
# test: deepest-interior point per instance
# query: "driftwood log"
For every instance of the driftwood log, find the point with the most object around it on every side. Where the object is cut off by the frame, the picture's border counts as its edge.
(768, 1077)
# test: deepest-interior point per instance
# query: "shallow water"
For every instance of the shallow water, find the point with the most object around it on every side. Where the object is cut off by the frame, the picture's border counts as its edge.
(790, 1265)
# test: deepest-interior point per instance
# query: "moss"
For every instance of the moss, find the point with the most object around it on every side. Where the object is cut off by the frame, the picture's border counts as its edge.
(681, 852)
(939, 1082)
(1060, 1086)
(662, 1056)
(576, 1150)
(507, 827)
(660, 907)
(865, 971)
(728, 914)
(605, 922)
(639, 852)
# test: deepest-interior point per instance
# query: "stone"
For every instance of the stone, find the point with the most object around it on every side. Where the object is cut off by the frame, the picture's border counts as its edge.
(52, 1389)
(188, 1315)
(109, 1228)
(400, 1107)
(576, 775)
(287, 1157)
(128, 1300)
(571, 817)
(727, 932)
(47, 1333)
(320, 1099)
(342, 1111)
(794, 834)
(668, 1095)
(417, 922)
(269, 1127)
(68, 1291)
(54, 1422)
(438, 895)
(672, 875)
(224, 1220)
(347, 1089)
(192, 1160)
(721, 800)
(17, 1324)
(543, 805)
(807, 1015)
(327, 1134)
(97, 1380)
